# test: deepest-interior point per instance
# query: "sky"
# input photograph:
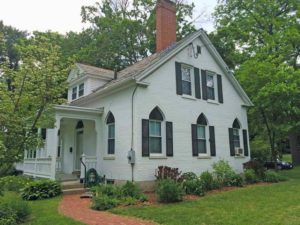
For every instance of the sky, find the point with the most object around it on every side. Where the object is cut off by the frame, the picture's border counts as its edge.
(64, 15)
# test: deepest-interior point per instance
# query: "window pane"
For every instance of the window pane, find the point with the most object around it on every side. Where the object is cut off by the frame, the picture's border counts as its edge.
(236, 143)
(235, 132)
(186, 87)
(81, 90)
(111, 146)
(155, 145)
(200, 132)
(210, 81)
(210, 93)
(186, 74)
(202, 146)
(111, 131)
(155, 128)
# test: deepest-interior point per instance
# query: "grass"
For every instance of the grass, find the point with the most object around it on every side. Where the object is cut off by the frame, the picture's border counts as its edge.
(257, 204)
(44, 212)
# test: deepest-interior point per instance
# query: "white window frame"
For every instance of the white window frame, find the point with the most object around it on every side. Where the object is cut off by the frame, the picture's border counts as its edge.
(213, 75)
(207, 146)
(111, 138)
(80, 88)
(192, 84)
(161, 138)
(74, 93)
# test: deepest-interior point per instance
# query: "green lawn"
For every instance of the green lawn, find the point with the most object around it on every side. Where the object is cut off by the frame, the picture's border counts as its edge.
(45, 212)
(260, 204)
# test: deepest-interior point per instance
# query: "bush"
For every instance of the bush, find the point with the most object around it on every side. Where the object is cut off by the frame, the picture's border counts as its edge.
(208, 181)
(108, 190)
(273, 177)
(41, 189)
(104, 202)
(257, 166)
(194, 187)
(14, 183)
(188, 176)
(165, 172)
(168, 190)
(131, 189)
(126, 201)
(225, 174)
(250, 176)
(13, 210)
(143, 198)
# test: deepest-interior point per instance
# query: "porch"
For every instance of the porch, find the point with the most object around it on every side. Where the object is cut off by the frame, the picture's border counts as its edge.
(75, 136)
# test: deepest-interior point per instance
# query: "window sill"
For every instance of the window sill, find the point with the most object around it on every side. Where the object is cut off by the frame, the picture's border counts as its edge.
(157, 157)
(110, 157)
(239, 156)
(188, 97)
(213, 102)
(204, 157)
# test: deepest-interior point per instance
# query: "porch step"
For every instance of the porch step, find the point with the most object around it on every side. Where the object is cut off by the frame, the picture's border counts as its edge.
(71, 185)
(66, 177)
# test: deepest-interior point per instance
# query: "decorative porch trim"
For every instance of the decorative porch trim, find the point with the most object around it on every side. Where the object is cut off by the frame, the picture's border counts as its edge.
(68, 108)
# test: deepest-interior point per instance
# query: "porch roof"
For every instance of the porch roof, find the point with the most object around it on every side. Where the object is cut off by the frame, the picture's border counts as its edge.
(76, 109)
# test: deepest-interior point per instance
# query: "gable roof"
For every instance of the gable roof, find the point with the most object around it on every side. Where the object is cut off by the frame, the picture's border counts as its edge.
(140, 70)
(96, 71)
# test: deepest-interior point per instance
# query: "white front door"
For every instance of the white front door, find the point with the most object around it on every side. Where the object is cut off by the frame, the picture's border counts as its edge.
(79, 149)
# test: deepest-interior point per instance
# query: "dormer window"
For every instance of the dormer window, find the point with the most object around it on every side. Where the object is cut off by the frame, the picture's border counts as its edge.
(74, 93)
(81, 90)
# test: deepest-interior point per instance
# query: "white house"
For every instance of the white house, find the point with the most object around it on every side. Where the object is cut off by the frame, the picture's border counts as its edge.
(180, 107)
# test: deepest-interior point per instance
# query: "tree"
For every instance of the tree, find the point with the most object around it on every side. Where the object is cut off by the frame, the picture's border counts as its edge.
(262, 41)
(122, 34)
(36, 86)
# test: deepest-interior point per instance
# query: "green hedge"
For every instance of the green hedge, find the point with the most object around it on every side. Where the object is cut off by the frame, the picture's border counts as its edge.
(41, 189)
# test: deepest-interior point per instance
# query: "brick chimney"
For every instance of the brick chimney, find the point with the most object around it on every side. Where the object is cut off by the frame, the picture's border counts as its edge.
(165, 24)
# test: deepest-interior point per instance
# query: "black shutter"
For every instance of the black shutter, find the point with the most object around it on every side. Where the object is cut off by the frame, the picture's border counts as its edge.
(231, 144)
(169, 138)
(197, 83)
(212, 141)
(245, 140)
(178, 78)
(220, 88)
(145, 137)
(194, 140)
(203, 81)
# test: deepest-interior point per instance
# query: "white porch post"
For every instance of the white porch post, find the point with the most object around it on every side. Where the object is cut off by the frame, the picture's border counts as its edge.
(82, 170)
(54, 139)
(98, 142)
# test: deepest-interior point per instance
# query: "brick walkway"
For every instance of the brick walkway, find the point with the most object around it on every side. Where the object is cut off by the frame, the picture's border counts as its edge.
(79, 209)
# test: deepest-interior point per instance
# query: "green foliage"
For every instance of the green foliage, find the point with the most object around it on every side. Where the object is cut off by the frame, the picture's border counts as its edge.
(260, 149)
(188, 176)
(14, 183)
(250, 176)
(143, 198)
(41, 189)
(109, 190)
(13, 210)
(104, 202)
(194, 186)
(208, 181)
(131, 189)
(127, 201)
(257, 166)
(273, 177)
(225, 174)
(168, 190)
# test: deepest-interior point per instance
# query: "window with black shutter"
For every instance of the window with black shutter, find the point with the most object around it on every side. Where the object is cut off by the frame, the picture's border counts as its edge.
(234, 139)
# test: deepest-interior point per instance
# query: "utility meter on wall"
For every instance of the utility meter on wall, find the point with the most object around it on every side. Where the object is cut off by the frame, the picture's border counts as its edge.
(131, 157)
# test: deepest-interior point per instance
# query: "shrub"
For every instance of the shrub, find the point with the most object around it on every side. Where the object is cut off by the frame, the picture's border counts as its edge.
(143, 198)
(225, 174)
(108, 190)
(188, 176)
(14, 183)
(165, 172)
(104, 202)
(250, 176)
(126, 201)
(257, 166)
(273, 177)
(131, 189)
(13, 210)
(194, 187)
(208, 181)
(235, 180)
(41, 189)
(168, 190)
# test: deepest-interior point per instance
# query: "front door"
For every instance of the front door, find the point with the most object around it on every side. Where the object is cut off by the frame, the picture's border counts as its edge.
(79, 149)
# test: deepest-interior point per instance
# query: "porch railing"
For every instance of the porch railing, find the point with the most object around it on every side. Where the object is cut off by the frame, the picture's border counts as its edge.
(89, 162)
(38, 167)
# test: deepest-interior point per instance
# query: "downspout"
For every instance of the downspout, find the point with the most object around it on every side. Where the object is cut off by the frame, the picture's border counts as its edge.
(132, 130)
